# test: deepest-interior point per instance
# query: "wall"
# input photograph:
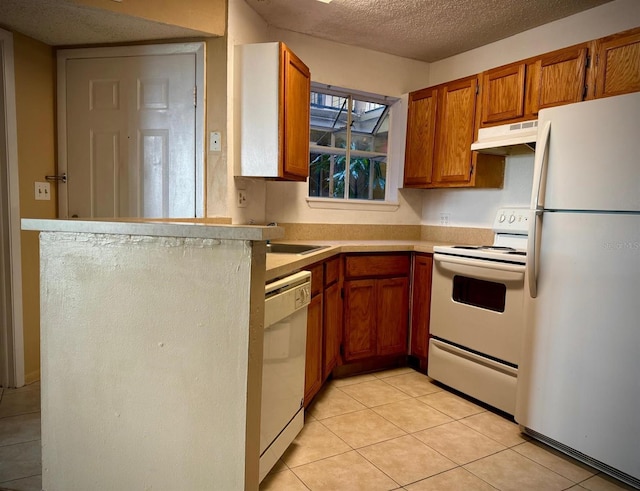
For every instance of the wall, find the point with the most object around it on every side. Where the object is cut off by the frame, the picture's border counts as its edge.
(477, 208)
(207, 16)
(34, 80)
(149, 384)
(216, 120)
(245, 26)
(333, 64)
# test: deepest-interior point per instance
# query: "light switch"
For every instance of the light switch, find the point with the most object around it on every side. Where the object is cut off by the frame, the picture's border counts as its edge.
(43, 191)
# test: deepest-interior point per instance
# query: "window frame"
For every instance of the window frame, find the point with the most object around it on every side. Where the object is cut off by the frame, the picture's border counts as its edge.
(392, 107)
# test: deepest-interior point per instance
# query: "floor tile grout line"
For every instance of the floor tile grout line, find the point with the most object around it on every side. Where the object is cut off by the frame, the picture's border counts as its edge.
(19, 443)
(19, 414)
(550, 469)
(19, 478)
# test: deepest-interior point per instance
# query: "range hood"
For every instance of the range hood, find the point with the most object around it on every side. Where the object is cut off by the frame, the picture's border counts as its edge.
(507, 139)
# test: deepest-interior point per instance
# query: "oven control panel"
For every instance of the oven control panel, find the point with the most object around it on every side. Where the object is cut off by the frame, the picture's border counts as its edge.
(512, 221)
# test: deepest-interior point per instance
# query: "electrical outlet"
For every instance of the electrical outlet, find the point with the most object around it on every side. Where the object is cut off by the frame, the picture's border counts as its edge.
(43, 191)
(214, 141)
(242, 198)
(445, 219)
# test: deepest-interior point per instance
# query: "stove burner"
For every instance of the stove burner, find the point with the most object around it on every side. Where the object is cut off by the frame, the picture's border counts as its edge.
(509, 250)
(498, 248)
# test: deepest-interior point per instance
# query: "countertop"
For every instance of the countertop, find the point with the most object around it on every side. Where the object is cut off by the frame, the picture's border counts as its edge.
(156, 229)
(279, 265)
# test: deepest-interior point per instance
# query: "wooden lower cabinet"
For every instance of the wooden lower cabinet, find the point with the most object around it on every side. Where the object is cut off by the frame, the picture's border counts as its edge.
(324, 325)
(421, 308)
(376, 306)
(359, 319)
(313, 364)
(392, 316)
(332, 328)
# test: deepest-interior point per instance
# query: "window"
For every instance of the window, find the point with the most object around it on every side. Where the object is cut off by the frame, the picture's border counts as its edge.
(348, 148)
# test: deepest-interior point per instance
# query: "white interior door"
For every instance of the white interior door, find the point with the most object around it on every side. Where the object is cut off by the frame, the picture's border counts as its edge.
(132, 132)
(11, 335)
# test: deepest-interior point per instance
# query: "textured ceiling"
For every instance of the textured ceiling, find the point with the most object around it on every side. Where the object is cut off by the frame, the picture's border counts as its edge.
(62, 23)
(426, 30)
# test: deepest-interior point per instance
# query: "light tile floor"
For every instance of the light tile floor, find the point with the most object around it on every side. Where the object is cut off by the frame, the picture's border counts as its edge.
(398, 430)
(384, 431)
(20, 461)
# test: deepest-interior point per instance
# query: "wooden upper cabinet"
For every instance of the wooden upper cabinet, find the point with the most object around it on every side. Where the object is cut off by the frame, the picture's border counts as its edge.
(503, 93)
(455, 132)
(273, 88)
(556, 78)
(296, 93)
(421, 130)
(441, 125)
(617, 64)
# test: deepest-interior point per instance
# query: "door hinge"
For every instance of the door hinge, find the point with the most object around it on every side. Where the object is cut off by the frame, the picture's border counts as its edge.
(195, 96)
(471, 170)
(341, 350)
(586, 91)
(588, 62)
(342, 293)
(477, 89)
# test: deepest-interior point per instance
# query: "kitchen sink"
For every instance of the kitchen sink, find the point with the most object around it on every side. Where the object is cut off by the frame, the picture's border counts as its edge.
(294, 248)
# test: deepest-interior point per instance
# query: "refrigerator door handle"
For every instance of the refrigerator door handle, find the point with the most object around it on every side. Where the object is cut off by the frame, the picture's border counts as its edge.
(540, 166)
(539, 177)
(533, 252)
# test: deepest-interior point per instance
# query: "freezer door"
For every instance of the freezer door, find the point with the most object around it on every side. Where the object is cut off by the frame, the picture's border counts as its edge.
(578, 380)
(593, 161)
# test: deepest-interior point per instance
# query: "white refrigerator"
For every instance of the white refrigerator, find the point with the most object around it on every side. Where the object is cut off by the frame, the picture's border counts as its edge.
(579, 376)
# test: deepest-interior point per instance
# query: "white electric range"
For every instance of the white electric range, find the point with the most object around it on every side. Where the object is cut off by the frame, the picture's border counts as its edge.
(477, 314)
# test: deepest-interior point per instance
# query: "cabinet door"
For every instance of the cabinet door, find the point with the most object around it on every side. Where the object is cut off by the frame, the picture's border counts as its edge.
(359, 319)
(421, 305)
(618, 64)
(295, 96)
(421, 128)
(332, 328)
(392, 298)
(503, 93)
(455, 131)
(313, 363)
(557, 78)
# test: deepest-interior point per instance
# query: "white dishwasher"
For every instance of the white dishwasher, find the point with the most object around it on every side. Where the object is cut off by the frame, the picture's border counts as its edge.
(285, 336)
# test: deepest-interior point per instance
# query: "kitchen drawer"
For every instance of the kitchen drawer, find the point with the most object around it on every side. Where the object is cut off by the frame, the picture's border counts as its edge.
(376, 265)
(332, 271)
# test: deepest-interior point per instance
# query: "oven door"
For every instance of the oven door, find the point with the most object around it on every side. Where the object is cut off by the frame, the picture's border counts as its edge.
(478, 304)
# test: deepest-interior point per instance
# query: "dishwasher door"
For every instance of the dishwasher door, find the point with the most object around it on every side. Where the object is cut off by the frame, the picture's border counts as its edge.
(283, 369)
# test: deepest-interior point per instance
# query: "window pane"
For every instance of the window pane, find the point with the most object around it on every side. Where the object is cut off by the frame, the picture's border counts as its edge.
(328, 120)
(367, 178)
(326, 175)
(366, 115)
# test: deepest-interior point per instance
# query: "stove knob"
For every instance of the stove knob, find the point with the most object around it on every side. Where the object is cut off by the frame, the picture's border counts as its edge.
(512, 218)
(502, 218)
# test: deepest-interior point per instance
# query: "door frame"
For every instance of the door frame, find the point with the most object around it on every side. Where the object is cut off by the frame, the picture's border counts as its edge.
(197, 48)
(11, 329)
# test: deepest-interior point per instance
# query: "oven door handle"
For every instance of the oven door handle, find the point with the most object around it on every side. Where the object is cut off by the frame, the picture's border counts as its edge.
(477, 268)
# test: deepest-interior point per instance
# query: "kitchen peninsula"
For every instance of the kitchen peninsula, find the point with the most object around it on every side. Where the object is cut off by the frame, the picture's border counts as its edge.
(151, 354)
